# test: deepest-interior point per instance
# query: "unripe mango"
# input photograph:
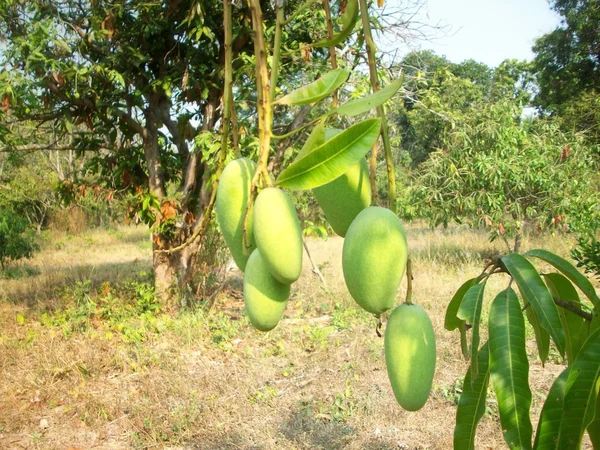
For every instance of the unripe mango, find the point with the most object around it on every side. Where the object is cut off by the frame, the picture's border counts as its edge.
(410, 355)
(233, 194)
(342, 199)
(265, 297)
(374, 258)
(278, 235)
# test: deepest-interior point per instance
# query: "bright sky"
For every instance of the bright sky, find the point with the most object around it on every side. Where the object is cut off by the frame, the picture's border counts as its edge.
(488, 31)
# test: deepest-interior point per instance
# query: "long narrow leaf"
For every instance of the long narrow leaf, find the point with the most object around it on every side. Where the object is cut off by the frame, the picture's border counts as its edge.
(451, 321)
(542, 338)
(509, 369)
(546, 436)
(594, 427)
(569, 270)
(471, 406)
(560, 287)
(349, 18)
(580, 394)
(315, 139)
(317, 90)
(362, 105)
(332, 159)
(470, 311)
(535, 292)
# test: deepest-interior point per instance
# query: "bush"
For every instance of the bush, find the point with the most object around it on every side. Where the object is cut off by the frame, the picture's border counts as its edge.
(16, 240)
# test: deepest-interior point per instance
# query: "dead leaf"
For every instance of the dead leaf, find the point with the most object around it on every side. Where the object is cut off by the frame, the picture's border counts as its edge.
(168, 210)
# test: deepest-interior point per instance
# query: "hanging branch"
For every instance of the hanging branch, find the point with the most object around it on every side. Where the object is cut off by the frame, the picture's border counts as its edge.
(227, 107)
(332, 55)
(385, 136)
(263, 106)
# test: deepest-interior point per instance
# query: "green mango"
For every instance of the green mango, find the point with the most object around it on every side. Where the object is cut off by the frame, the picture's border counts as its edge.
(410, 355)
(374, 258)
(278, 234)
(265, 297)
(233, 194)
(342, 199)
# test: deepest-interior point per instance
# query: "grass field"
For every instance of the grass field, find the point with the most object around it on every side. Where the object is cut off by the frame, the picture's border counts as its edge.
(87, 360)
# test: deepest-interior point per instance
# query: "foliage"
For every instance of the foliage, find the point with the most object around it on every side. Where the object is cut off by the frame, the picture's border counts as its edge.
(587, 254)
(498, 170)
(552, 306)
(567, 61)
(16, 241)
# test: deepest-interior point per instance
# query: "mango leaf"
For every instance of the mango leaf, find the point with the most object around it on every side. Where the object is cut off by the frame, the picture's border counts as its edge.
(569, 271)
(580, 394)
(317, 90)
(452, 322)
(471, 406)
(560, 287)
(315, 139)
(594, 427)
(362, 105)
(535, 292)
(542, 338)
(509, 369)
(332, 159)
(349, 18)
(546, 436)
(470, 311)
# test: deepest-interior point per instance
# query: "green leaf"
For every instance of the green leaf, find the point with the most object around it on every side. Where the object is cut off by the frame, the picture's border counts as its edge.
(470, 311)
(580, 394)
(509, 369)
(471, 406)
(535, 292)
(362, 105)
(317, 90)
(546, 436)
(452, 322)
(569, 271)
(594, 426)
(542, 338)
(332, 159)
(560, 287)
(349, 18)
(315, 139)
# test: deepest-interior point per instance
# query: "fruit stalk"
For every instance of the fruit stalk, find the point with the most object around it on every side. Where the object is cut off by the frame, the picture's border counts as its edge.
(276, 52)
(385, 136)
(332, 56)
(409, 280)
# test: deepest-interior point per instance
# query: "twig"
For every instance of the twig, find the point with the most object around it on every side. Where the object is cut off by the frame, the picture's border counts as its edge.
(315, 269)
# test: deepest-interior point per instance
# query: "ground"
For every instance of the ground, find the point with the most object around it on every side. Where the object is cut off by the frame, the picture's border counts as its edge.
(87, 360)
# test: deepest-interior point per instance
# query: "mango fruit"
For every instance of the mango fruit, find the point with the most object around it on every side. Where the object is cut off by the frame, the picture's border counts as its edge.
(342, 199)
(265, 297)
(233, 194)
(410, 355)
(278, 234)
(374, 258)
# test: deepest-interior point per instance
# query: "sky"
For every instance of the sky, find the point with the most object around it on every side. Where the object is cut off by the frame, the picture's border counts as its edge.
(488, 31)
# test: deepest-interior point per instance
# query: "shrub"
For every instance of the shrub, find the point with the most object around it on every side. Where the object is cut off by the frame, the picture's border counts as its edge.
(16, 240)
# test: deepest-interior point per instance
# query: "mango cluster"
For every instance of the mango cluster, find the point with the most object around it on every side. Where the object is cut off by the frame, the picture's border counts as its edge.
(271, 259)
(374, 260)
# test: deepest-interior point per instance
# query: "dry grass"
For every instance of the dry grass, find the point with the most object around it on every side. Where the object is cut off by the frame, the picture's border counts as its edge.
(207, 380)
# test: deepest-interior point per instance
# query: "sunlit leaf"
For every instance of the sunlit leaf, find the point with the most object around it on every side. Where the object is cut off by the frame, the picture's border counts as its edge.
(471, 406)
(470, 311)
(569, 270)
(317, 90)
(574, 325)
(509, 369)
(315, 139)
(452, 322)
(580, 394)
(362, 105)
(535, 292)
(546, 436)
(332, 159)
